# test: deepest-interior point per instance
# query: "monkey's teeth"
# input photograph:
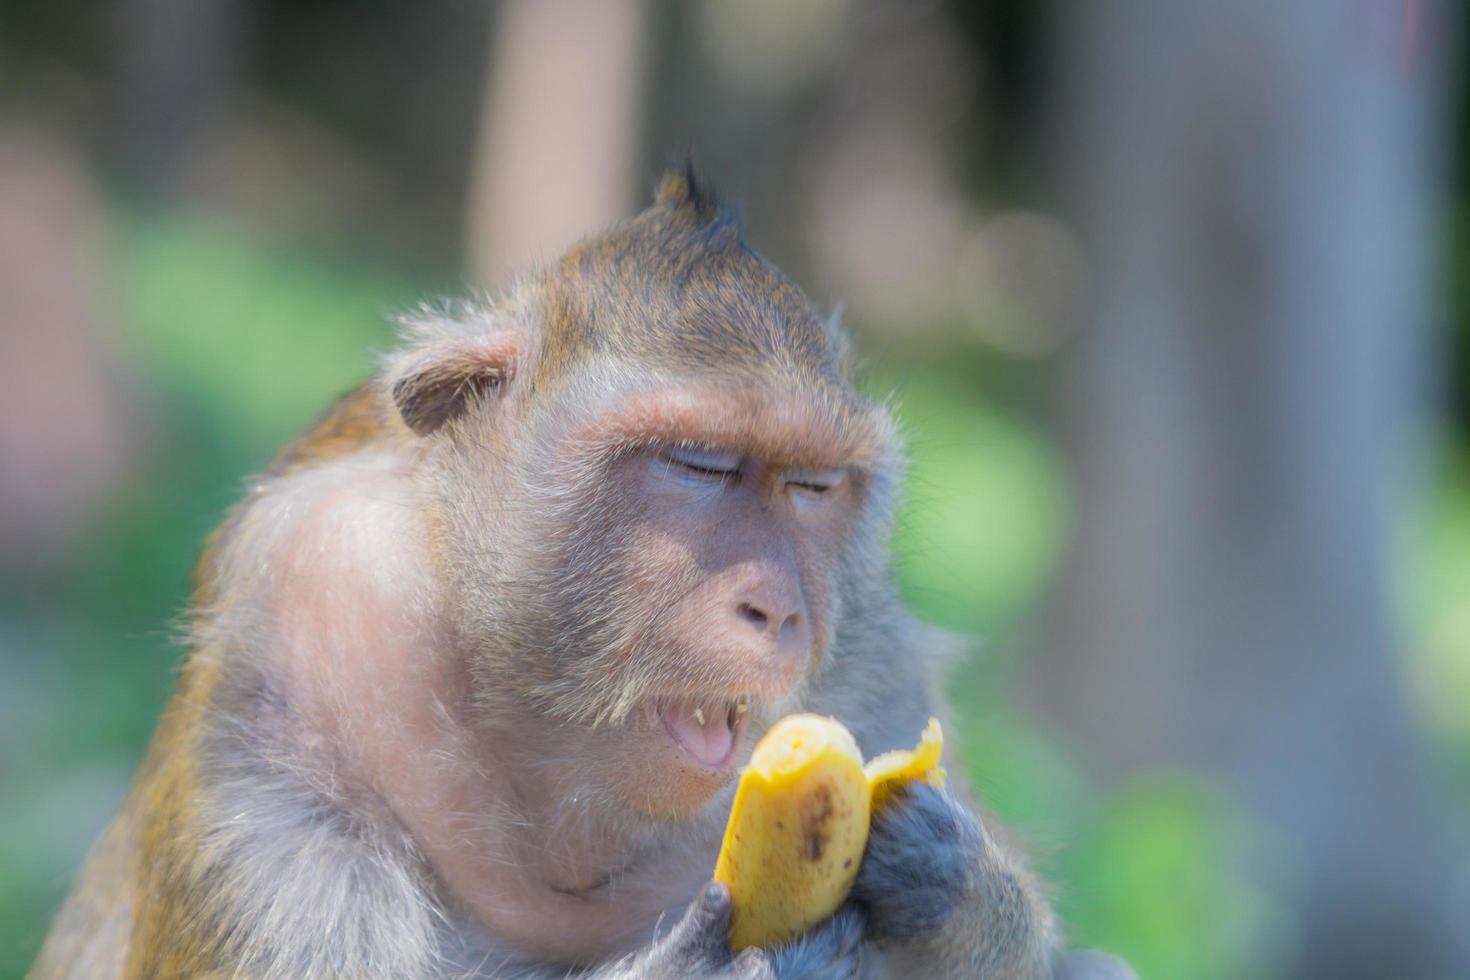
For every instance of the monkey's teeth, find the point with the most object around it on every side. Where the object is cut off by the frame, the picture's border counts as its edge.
(703, 730)
(742, 706)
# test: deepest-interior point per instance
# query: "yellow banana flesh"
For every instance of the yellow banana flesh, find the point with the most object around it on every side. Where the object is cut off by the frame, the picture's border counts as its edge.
(799, 823)
(796, 833)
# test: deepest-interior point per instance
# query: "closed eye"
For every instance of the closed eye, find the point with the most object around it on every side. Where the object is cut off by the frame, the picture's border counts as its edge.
(704, 463)
(815, 483)
(705, 470)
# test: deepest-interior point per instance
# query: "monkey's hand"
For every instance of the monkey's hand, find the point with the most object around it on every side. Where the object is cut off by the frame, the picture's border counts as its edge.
(943, 899)
(925, 863)
(830, 951)
(698, 948)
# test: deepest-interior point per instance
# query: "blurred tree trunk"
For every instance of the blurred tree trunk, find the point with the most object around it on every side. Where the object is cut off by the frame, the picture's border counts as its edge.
(178, 67)
(1255, 182)
(560, 134)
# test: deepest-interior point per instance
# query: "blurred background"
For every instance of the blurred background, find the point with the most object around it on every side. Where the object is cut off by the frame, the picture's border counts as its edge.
(1173, 300)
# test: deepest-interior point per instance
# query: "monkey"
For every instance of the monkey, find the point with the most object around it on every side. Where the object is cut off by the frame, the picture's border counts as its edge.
(473, 663)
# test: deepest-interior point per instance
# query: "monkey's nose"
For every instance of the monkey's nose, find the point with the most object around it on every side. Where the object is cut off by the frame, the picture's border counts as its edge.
(774, 626)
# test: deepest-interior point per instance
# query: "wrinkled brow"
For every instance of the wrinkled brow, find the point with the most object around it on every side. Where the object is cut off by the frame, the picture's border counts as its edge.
(791, 430)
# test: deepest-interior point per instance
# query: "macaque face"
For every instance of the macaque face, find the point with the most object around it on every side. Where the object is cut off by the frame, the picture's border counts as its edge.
(685, 574)
(756, 541)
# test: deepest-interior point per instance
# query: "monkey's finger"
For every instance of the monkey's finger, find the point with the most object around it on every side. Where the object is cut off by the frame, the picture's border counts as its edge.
(697, 945)
(841, 939)
(844, 935)
(706, 923)
(832, 951)
(752, 965)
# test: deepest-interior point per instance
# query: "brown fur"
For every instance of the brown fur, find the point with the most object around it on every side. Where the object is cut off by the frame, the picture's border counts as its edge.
(356, 420)
(405, 742)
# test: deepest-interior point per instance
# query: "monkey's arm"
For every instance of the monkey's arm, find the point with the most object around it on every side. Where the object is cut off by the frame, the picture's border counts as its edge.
(944, 894)
(945, 899)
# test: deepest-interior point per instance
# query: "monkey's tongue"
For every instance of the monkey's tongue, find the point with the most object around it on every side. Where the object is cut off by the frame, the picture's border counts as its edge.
(701, 730)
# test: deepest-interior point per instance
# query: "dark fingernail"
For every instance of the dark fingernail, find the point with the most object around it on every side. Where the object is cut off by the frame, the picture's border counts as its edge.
(715, 897)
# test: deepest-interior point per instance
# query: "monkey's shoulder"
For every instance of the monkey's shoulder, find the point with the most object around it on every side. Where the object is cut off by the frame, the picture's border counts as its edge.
(361, 418)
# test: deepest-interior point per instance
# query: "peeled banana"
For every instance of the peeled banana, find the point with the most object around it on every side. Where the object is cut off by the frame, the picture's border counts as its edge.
(799, 823)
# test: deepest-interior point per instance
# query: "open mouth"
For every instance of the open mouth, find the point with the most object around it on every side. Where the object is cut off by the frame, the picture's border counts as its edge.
(708, 730)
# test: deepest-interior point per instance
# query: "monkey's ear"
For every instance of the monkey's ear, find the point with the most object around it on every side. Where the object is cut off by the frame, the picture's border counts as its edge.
(442, 383)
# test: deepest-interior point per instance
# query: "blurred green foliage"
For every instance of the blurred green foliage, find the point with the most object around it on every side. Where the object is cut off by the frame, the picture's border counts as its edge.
(259, 340)
(238, 344)
(235, 346)
(986, 502)
(1434, 606)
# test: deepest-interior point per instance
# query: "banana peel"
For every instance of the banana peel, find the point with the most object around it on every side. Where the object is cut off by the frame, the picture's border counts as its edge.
(799, 823)
(890, 771)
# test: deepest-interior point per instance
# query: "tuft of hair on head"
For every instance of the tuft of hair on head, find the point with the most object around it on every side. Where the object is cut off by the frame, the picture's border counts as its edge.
(688, 199)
